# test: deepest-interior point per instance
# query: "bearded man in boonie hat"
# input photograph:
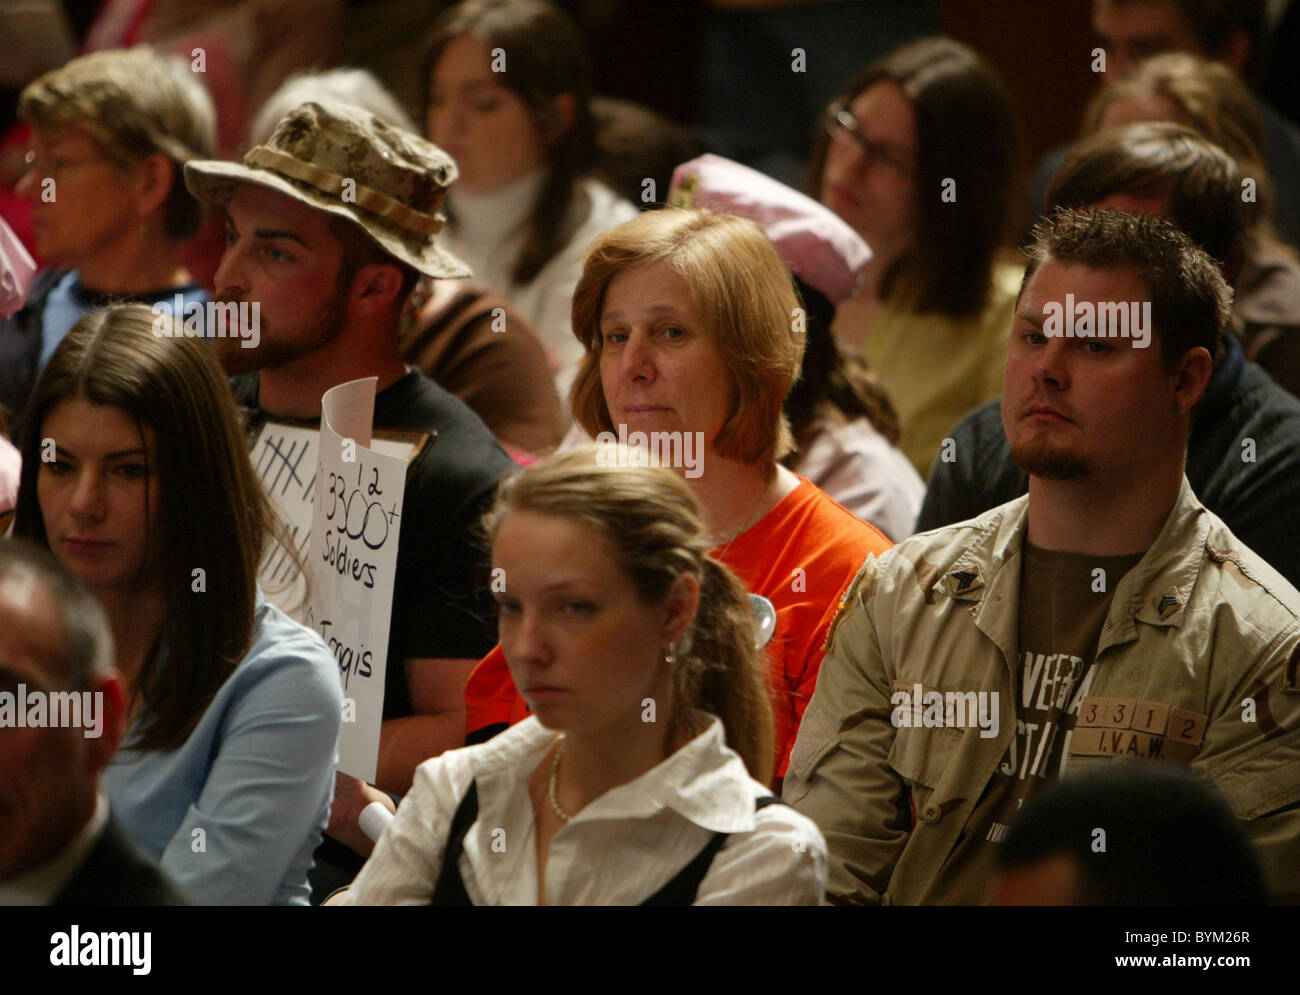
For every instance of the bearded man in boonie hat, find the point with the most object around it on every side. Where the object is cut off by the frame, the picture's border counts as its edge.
(328, 226)
(373, 192)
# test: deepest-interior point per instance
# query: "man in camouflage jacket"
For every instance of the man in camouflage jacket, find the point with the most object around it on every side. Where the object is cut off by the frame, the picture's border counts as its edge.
(937, 711)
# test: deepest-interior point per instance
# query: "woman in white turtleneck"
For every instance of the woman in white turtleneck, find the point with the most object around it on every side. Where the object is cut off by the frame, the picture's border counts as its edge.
(508, 98)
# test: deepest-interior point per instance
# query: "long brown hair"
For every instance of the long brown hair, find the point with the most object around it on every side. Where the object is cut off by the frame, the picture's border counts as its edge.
(965, 132)
(215, 516)
(546, 58)
(657, 525)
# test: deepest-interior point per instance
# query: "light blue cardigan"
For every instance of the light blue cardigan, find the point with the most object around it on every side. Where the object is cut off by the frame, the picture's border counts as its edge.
(234, 814)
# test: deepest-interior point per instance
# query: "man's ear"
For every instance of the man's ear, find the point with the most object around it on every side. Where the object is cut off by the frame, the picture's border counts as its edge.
(1193, 376)
(112, 711)
(377, 284)
(154, 178)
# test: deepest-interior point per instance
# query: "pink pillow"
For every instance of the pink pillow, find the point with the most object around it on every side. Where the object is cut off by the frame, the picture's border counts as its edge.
(10, 465)
(815, 243)
(16, 270)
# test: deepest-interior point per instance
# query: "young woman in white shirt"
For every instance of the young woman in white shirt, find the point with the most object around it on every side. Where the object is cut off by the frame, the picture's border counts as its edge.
(508, 96)
(640, 776)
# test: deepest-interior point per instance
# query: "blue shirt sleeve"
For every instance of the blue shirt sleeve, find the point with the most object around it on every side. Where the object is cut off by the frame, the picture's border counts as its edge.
(249, 793)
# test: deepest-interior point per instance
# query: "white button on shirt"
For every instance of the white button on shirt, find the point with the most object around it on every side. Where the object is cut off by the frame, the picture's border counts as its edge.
(618, 850)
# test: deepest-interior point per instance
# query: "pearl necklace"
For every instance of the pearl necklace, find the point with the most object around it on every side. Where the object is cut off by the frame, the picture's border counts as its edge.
(555, 769)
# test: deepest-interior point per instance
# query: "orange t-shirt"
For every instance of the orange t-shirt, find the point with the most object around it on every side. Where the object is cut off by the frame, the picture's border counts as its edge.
(801, 556)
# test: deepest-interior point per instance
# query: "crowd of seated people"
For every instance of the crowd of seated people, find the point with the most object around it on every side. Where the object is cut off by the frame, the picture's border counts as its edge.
(761, 546)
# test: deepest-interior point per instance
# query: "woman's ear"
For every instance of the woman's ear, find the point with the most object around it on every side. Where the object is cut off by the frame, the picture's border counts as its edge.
(683, 599)
(153, 182)
(560, 117)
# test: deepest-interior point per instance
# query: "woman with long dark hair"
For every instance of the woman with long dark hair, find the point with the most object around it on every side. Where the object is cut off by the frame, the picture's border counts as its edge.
(508, 96)
(917, 155)
(136, 476)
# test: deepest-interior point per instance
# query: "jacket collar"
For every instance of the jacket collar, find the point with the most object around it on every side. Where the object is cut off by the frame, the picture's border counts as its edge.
(1155, 591)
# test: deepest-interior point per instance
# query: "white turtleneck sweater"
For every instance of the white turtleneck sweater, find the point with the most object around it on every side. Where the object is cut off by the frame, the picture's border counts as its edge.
(488, 233)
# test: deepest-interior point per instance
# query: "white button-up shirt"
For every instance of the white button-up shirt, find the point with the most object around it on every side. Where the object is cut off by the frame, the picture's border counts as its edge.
(618, 850)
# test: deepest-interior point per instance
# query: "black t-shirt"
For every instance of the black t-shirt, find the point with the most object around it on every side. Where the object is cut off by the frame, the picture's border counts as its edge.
(441, 602)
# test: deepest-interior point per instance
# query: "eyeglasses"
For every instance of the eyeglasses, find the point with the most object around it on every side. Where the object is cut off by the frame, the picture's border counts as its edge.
(843, 128)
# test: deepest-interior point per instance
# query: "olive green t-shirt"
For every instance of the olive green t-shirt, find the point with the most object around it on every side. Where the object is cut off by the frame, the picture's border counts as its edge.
(1064, 599)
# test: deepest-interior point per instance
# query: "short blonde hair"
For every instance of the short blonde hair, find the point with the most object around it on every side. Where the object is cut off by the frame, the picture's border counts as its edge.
(746, 298)
(133, 103)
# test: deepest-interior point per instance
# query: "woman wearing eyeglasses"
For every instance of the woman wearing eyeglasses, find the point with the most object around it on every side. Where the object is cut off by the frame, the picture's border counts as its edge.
(917, 155)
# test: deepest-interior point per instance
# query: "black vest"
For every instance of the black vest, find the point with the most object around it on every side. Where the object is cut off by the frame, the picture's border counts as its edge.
(681, 890)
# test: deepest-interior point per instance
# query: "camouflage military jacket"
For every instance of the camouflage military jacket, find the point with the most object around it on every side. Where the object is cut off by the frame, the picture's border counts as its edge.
(1197, 662)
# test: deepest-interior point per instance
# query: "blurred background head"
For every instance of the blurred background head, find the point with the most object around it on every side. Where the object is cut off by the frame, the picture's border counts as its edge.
(1128, 833)
(1162, 169)
(53, 638)
(113, 131)
(1230, 31)
(508, 91)
(508, 95)
(1207, 97)
(355, 87)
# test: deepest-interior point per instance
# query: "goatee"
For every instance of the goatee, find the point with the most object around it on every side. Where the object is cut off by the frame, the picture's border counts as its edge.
(1043, 461)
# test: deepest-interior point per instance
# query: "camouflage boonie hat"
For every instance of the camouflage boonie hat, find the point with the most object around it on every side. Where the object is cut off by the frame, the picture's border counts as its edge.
(350, 163)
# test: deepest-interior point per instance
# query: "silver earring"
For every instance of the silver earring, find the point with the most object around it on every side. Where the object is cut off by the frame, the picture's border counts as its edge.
(671, 655)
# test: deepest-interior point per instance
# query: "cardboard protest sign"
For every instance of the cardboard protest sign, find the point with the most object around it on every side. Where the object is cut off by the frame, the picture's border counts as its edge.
(339, 490)
(352, 562)
(284, 457)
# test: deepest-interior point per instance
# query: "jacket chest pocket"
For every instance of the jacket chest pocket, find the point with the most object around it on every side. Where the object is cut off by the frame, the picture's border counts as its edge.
(920, 755)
